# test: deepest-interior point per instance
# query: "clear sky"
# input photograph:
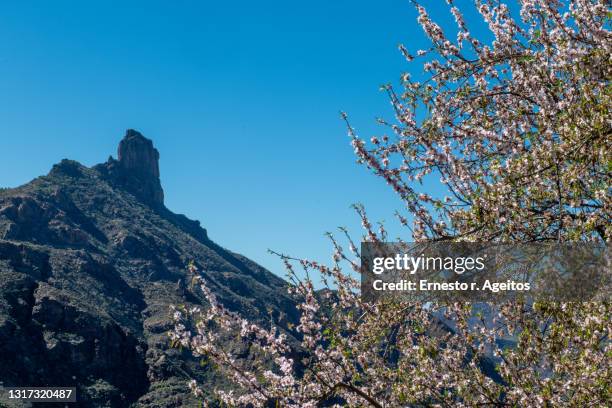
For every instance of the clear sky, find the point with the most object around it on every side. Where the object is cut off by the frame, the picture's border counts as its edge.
(240, 97)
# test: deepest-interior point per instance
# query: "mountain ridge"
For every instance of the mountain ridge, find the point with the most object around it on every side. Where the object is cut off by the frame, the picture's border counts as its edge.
(90, 261)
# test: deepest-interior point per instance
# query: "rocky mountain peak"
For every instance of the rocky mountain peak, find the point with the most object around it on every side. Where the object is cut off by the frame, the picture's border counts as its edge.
(137, 154)
(90, 262)
(137, 168)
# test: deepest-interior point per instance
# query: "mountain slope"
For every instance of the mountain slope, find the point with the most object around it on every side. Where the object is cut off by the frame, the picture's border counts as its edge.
(90, 261)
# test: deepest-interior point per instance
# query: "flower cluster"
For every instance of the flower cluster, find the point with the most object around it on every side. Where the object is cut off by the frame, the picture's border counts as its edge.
(518, 131)
(393, 354)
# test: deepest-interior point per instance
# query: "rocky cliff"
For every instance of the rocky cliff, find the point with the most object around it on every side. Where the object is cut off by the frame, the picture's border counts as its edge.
(90, 261)
(137, 169)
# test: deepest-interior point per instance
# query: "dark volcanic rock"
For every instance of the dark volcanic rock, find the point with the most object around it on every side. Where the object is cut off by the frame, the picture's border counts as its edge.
(137, 154)
(90, 261)
(137, 169)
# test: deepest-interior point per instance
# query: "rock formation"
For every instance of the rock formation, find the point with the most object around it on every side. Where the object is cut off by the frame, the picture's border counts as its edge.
(137, 168)
(90, 261)
(137, 154)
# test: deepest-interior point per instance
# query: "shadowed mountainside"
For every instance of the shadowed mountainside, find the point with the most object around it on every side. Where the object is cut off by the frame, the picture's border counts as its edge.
(90, 261)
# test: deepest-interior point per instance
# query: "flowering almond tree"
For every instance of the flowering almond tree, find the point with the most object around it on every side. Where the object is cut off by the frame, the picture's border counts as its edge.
(518, 131)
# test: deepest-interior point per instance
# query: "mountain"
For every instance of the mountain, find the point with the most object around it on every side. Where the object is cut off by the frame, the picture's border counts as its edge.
(90, 262)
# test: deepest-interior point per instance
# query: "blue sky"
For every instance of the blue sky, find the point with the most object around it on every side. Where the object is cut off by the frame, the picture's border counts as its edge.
(241, 99)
